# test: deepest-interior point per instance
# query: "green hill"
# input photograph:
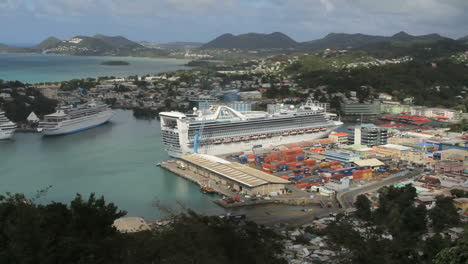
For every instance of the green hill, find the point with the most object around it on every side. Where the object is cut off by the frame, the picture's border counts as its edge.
(99, 45)
(274, 40)
(347, 41)
(419, 50)
(117, 41)
(48, 43)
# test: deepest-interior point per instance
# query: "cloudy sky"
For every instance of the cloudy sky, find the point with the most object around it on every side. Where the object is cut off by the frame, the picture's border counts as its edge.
(30, 21)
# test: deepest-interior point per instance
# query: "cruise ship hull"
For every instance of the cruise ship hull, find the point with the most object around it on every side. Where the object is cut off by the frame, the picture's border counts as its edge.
(246, 146)
(6, 134)
(76, 125)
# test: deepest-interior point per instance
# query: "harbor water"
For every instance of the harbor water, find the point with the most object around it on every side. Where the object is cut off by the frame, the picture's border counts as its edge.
(116, 160)
(33, 68)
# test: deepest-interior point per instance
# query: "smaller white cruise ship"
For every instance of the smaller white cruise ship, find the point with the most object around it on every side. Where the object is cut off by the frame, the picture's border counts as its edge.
(71, 119)
(7, 128)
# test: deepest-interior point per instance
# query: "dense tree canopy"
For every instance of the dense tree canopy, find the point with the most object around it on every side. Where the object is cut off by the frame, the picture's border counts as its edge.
(82, 232)
(24, 101)
(393, 232)
(430, 84)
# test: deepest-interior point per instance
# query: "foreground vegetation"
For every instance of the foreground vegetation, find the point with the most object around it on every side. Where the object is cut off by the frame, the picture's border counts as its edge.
(398, 231)
(82, 232)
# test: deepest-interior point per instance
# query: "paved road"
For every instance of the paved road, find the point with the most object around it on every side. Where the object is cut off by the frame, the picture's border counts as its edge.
(346, 199)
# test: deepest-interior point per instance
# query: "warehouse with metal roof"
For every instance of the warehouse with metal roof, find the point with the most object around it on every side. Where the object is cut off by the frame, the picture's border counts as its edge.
(234, 175)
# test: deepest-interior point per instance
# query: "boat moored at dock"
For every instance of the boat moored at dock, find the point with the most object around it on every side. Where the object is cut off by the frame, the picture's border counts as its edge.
(71, 119)
(222, 130)
(7, 128)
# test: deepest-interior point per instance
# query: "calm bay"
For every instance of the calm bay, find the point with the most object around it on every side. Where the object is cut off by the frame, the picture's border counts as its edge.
(115, 160)
(32, 68)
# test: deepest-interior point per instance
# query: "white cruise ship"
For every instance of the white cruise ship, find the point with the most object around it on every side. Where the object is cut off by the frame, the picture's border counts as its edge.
(71, 119)
(223, 130)
(7, 128)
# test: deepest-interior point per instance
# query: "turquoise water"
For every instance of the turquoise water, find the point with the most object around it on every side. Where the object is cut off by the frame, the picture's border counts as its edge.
(33, 68)
(115, 160)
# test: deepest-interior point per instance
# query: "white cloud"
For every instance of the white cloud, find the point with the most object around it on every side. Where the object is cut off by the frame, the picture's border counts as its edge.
(328, 5)
(305, 19)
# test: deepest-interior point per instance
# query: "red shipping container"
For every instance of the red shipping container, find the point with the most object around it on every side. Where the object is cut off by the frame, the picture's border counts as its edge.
(274, 156)
(310, 162)
(303, 185)
(357, 176)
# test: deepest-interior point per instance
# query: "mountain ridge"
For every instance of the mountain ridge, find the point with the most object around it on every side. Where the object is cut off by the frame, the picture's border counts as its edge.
(251, 41)
(331, 40)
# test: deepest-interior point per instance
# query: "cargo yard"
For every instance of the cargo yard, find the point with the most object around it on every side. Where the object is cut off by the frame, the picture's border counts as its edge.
(324, 176)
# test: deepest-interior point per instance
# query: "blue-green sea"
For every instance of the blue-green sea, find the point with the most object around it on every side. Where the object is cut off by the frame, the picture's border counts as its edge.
(32, 68)
(115, 160)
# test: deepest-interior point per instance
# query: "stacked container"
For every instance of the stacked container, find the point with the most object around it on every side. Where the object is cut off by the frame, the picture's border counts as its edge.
(366, 174)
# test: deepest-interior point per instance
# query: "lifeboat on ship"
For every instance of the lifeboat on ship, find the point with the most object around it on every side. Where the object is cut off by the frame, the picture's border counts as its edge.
(323, 129)
(315, 130)
(247, 138)
(285, 133)
(269, 135)
(217, 141)
(294, 132)
(227, 140)
(300, 131)
(254, 137)
(263, 136)
(236, 139)
(309, 130)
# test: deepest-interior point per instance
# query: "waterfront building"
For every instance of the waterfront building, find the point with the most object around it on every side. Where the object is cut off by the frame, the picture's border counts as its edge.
(368, 135)
(391, 150)
(238, 177)
(385, 96)
(450, 167)
(415, 156)
(440, 113)
(394, 108)
(373, 163)
(32, 117)
(340, 138)
(451, 154)
(343, 156)
(360, 109)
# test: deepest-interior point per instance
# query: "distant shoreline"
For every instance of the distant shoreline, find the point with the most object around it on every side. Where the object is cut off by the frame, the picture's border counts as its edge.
(174, 64)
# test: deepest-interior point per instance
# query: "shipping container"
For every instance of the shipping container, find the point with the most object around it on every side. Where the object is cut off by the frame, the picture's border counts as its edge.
(303, 185)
